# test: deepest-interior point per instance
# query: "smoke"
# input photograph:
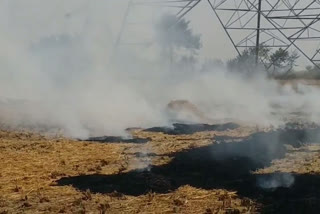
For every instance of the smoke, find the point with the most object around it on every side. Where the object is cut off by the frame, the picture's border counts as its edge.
(274, 181)
(59, 72)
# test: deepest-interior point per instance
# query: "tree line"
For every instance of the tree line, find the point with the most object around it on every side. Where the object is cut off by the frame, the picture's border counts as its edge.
(181, 46)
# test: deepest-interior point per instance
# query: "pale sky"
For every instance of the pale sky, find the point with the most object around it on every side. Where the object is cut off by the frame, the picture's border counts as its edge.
(38, 18)
(216, 44)
(33, 19)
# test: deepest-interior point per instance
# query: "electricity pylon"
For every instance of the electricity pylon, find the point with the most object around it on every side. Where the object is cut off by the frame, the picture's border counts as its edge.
(286, 24)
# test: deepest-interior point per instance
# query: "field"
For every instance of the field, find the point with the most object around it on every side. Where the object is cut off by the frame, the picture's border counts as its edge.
(193, 169)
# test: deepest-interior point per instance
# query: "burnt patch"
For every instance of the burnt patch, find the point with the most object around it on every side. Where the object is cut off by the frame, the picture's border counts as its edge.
(134, 183)
(298, 137)
(303, 196)
(181, 129)
(223, 166)
(116, 139)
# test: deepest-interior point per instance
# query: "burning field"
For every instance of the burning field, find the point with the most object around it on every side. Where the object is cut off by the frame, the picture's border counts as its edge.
(100, 117)
(223, 168)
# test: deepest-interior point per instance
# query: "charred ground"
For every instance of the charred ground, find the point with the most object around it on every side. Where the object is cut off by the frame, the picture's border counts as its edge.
(215, 171)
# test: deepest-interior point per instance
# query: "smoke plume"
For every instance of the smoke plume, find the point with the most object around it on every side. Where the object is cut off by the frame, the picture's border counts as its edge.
(59, 71)
(275, 181)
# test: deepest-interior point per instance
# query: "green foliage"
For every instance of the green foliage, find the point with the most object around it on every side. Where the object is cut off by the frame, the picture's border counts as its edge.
(175, 36)
(246, 62)
(311, 72)
(279, 62)
(175, 33)
(281, 59)
(313, 69)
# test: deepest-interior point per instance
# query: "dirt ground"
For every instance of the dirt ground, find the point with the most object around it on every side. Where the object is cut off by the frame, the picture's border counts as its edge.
(216, 171)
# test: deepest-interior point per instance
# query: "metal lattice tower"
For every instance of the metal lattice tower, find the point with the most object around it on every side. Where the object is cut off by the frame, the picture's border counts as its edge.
(178, 7)
(287, 24)
(272, 23)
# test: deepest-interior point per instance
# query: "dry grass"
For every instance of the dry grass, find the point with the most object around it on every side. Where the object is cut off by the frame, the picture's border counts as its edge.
(32, 164)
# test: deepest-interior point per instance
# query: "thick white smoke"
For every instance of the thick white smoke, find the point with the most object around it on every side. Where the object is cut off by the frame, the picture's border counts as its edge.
(56, 58)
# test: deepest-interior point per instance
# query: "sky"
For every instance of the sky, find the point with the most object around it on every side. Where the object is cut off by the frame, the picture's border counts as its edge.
(46, 17)
(215, 42)
(40, 18)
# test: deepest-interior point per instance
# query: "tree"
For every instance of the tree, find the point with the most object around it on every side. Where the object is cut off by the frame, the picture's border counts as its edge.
(209, 64)
(282, 60)
(246, 62)
(175, 35)
(278, 62)
(312, 72)
(313, 69)
(174, 32)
